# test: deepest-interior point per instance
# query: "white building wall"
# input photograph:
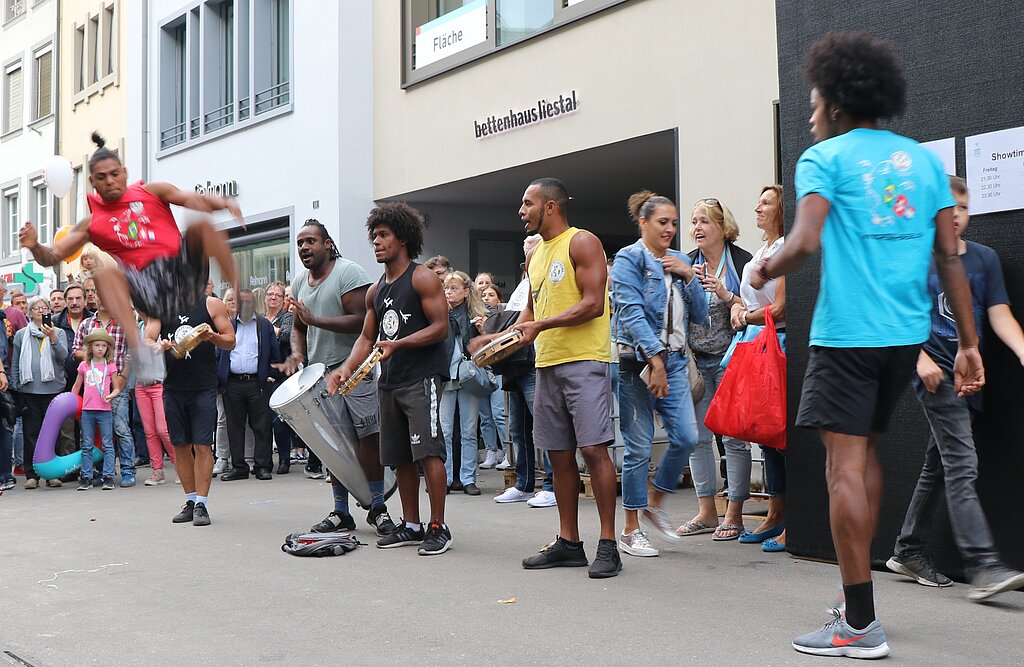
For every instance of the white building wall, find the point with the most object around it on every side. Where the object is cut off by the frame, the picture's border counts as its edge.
(29, 142)
(318, 154)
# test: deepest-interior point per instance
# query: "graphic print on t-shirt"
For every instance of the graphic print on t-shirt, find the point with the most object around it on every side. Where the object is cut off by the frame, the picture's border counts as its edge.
(392, 320)
(132, 226)
(890, 188)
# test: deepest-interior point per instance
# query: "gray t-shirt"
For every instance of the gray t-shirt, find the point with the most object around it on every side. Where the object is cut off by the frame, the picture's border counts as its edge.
(324, 300)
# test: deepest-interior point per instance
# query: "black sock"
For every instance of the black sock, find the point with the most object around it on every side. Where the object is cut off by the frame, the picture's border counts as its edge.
(860, 605)
(572, 544)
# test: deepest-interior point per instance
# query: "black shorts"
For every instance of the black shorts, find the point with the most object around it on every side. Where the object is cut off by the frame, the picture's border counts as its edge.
(169, 286)
(410, 423)
(854, 390)
(191, 416)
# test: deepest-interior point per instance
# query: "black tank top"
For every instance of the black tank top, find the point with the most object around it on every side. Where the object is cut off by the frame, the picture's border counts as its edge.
(400, 314)
(197, 371)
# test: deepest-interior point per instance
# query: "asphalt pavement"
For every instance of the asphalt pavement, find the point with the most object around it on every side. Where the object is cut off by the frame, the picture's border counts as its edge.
(105, 578)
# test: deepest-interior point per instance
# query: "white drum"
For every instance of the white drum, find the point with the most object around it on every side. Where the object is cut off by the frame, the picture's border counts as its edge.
(303, 403)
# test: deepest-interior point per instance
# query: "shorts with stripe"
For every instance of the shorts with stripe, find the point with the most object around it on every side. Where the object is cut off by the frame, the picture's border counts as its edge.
(410, 423)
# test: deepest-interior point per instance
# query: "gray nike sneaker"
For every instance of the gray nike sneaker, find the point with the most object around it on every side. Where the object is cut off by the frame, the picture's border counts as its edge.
(836, 638)
(993, 581)
(919, 569)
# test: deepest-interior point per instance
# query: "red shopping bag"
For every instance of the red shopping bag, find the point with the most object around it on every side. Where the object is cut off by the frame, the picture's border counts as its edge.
(750, 403)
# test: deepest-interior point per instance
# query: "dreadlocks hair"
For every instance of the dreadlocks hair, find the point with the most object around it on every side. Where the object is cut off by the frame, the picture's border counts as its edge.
(403, 220)
(859, 74)
(324, 235)
(102, 152)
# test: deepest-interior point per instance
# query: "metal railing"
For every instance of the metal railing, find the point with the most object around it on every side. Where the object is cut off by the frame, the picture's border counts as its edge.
(172, 136)
(273, 97)
(219, 117)
(244, 108)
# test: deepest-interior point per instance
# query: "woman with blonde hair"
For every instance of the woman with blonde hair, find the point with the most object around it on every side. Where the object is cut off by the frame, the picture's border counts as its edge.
(718, 263)
(464, 305)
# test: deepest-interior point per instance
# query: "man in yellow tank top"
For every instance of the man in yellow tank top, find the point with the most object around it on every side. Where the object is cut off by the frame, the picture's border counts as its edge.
(567, 318)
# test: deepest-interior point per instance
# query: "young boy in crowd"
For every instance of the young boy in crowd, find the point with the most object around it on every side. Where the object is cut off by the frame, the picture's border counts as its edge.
(951, 461)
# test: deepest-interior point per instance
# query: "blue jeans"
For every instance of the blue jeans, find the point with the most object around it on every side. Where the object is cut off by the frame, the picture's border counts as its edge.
(123, 430)
(492, 419)
(19, 442)
(283, 438)
(737, 452)
(6, 451)
(105, 421)
(949, 474)
(774, 471)
(520, 422)
(636, 419)
(469, 412)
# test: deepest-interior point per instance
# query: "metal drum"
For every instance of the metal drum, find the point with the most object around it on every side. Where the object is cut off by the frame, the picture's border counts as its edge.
(303, 403)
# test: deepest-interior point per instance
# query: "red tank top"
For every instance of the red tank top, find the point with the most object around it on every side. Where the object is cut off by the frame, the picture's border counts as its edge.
(136, 229)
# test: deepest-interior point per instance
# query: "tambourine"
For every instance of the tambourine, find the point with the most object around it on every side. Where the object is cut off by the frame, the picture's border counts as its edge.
(189, 341)
(361, 371)
(498, 349)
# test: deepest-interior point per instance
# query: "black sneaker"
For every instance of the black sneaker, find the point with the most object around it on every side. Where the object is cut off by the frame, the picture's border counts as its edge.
(919, 569)
(607, 562)
(335, 522)
(560, 553)
(85, 484)
(186, 513)
(404, 536)
(381, 520)
(437, 541)
(200, 517)
(108, 483)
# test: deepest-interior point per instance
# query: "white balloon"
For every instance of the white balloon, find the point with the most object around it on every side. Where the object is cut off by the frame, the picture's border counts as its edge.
(58, 176)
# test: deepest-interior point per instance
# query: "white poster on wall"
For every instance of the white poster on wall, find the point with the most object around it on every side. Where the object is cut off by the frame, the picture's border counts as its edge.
(946, 150)
(453, 32)
(995, 170)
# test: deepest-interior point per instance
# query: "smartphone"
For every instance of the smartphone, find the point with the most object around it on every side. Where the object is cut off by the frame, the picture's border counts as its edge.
(645, 374)
(48, 319)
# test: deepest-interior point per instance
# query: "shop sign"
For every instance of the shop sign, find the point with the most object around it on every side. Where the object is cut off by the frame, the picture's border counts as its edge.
(29, 279)
(226, 189)
(543, 109)
(447, 35)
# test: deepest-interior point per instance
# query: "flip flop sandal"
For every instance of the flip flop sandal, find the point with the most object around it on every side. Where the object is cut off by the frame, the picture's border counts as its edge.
(771, 546)
(695, 528)
(727, 527)
(751, 537)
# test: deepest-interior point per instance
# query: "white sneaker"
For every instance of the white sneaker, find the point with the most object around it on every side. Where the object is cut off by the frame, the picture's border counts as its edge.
(220, 466)
(637, 544)
(513, 495)
(490, 461)
(543, 499)
(505, 463)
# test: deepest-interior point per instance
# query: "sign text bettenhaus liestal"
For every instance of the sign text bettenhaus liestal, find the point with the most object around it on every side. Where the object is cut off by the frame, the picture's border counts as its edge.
(544, 109)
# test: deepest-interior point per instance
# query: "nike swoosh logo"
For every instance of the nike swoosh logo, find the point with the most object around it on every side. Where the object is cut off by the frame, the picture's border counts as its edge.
(836, 641)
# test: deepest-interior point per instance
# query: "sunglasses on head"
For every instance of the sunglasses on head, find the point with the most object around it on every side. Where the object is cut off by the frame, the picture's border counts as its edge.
(710, 201)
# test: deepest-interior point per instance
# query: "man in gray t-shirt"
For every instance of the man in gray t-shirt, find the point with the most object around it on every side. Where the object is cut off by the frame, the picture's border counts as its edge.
(329, 305)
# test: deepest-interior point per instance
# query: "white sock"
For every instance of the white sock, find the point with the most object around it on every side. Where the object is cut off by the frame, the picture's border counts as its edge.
(412, 526)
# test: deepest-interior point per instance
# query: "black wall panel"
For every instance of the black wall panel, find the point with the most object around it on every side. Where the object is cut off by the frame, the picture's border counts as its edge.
(965, 68)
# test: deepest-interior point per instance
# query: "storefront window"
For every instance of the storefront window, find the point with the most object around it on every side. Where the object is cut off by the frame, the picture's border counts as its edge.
(260, 264)
(518, 18)
(443, 34)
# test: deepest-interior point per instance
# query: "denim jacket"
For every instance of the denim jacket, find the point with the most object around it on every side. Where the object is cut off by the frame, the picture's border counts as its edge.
(638, 281)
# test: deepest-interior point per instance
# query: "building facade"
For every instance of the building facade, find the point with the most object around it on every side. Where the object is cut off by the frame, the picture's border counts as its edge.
(28, 48)
(268, 101)
(474, 99)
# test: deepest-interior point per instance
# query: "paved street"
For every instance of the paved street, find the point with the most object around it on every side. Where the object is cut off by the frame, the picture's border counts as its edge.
(105, 578)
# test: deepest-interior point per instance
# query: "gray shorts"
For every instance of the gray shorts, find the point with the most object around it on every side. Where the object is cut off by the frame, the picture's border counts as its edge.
(361, 415)
(411, 423)
(572, 406)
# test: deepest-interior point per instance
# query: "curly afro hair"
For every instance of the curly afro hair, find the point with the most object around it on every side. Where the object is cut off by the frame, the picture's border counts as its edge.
(859, 74)
(403, 220)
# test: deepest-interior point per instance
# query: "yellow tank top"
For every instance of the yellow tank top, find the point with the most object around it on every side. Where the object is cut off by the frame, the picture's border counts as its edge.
(554, 288)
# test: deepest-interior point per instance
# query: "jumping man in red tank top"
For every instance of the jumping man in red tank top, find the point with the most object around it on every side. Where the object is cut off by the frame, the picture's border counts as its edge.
(159, 271)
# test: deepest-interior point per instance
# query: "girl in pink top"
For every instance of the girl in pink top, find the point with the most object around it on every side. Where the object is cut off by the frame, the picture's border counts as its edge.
(98, 377)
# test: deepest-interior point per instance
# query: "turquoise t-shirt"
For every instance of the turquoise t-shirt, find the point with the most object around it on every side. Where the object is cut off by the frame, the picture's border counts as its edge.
(884, 191)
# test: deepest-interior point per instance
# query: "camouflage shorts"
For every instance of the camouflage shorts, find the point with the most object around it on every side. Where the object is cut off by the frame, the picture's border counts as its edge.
(168, 286)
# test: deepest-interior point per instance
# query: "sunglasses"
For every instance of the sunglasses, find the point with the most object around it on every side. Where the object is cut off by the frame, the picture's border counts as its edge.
(709, 201)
